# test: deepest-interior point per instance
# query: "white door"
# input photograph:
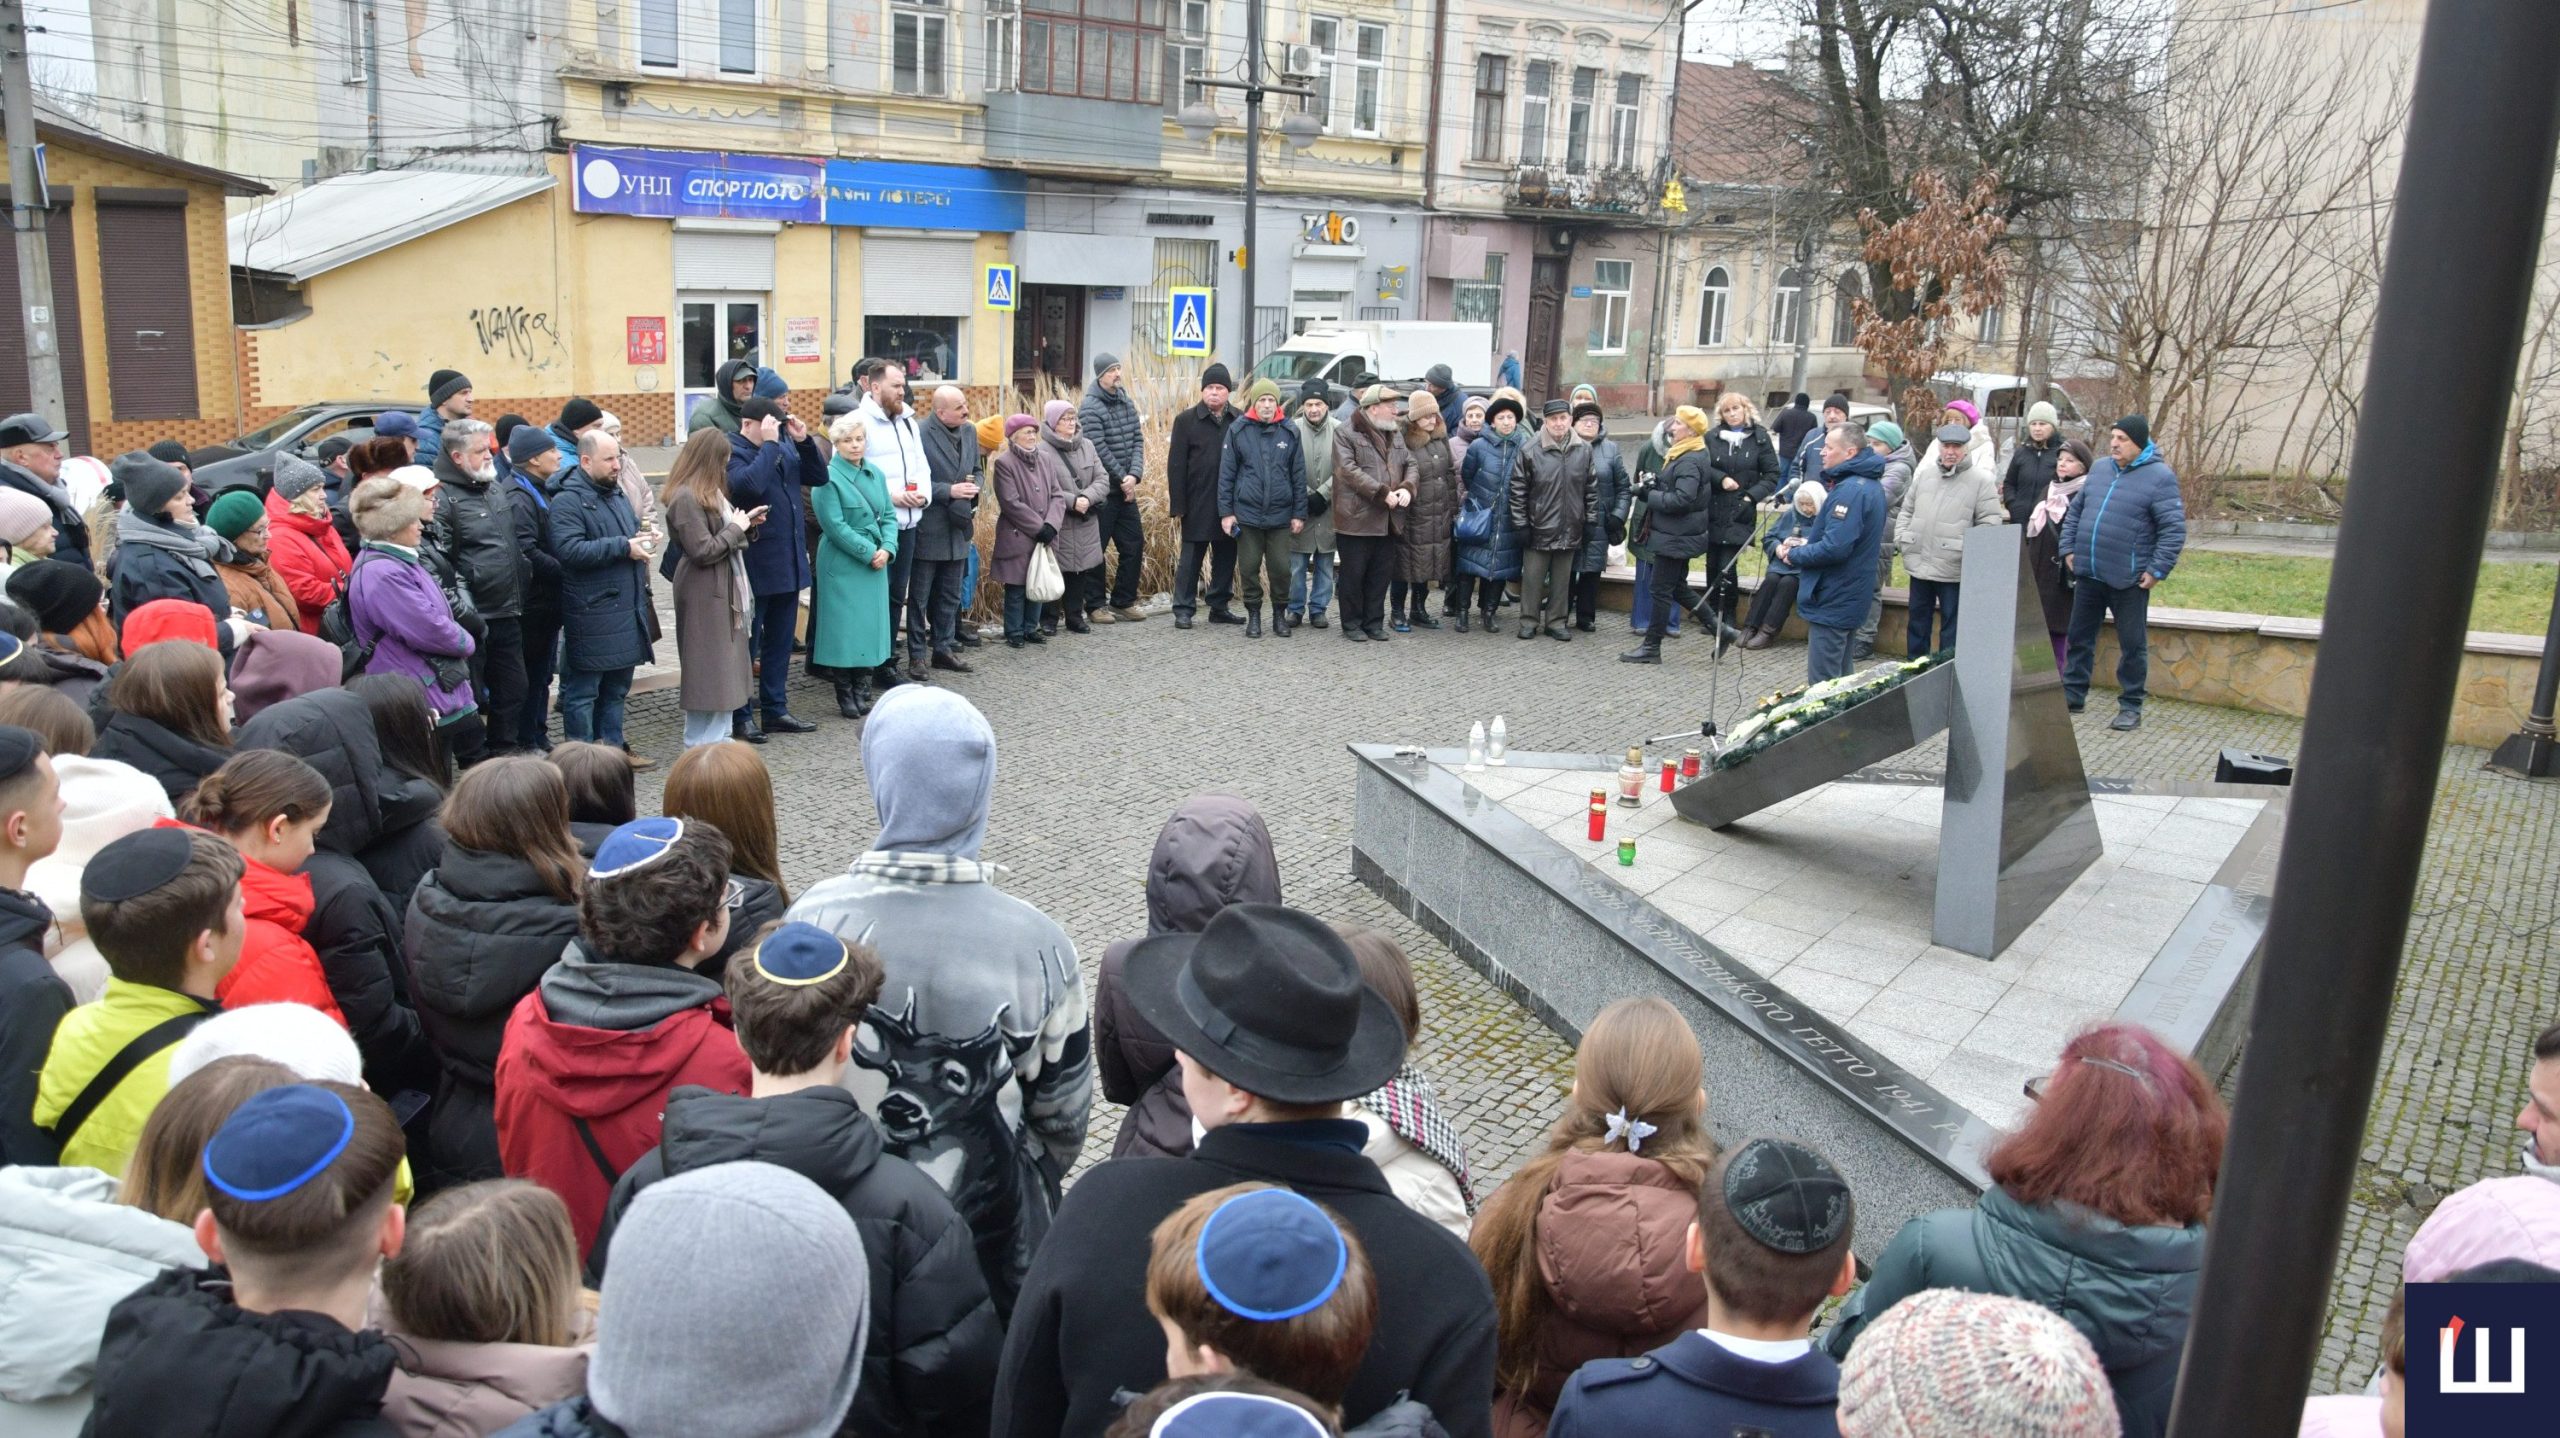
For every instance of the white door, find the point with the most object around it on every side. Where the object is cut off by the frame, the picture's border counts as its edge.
(717, 329)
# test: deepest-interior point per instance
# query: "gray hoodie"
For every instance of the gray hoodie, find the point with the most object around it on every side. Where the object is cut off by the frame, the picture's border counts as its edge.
(68, 1253)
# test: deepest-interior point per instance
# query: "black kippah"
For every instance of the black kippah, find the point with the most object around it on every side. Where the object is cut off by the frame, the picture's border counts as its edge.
(135, 865)
(18, 751)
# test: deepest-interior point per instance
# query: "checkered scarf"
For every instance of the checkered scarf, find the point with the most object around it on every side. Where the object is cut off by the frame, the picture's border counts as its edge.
(1412, 1114)
(920, 867)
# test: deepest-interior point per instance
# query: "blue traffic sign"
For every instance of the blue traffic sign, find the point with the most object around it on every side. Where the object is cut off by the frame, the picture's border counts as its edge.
(1000, 287)
(1188, 326)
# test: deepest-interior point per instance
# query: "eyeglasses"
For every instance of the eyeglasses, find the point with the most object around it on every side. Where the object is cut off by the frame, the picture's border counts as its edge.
(2034, 1088)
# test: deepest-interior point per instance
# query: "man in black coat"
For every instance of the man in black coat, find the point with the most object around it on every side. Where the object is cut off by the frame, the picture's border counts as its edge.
(31, 462)
(1295, 1034)
(946, 536)
(33, 998)
(1191, 490)
(474, 529)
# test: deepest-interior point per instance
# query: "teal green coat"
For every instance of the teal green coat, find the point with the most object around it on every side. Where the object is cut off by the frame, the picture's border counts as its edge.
(855, 519)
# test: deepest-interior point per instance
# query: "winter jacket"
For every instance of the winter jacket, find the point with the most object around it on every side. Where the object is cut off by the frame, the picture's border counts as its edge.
(480, 933)
(33, 999)
(1368, 465)
(604, 592)
(277, 964)
(1486, 474)
(753, 903)
(719, 409)
(75, 675)
(1936, 510)
(1110, 419)
(1694, 1384)
(1082, 1331)
(474, 528)
(177, 761)
(2028, 475)
(173, 569)
(1316, 445)
(354, 926)
(1896, 477)
(532, 502)
(775, 476)
(1679, 511)
(68, 1253)
(1191, 460)
(70, 531)
(948, 530)
(307, 556)
(1262, 477)
(1611, 1244)
(1792, 424)
(257, 590)
(180, 1360)
(1079, 540)
(1031, 495)
(2125, 523)
(88, 1038)
(1213, 852)
(1807, 459)
(2130, 1291)
(1422, 533)
(894, 445)
(1733, 514)
(981, 1073)
(463, 1390)
(929, 1364)
(1839, 561)
(1419, 1181)
(1453, 407)
(1792, 523)
(590, 1056)
(1609, 483)
(395, 604)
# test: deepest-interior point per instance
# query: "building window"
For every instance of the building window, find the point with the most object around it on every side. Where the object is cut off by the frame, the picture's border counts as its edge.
(917, 29)
(1623, 118)
(1844, 307)
(1480, 301)
(1186, 52)
(1715, 298)
(353, 11)
(927, 347)
(1493, 83)
(706, 35)
(1094, 49)
(659, 31)
(1611, 283)
(1786, 308)
(1577, 119)
(1989, 331)
(1324, 36)
(1368, 77)
(737, 37)
(1001, 30)
(1180, 264)
(1536, 89)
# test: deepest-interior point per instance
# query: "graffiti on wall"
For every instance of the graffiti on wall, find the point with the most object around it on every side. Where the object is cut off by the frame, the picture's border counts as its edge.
(525, 335)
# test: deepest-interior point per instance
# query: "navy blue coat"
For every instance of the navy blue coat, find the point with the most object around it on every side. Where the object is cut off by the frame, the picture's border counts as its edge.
(773, 475)
(141, 573)
(1487, 471)
(1262, 480)
(533, 535)
(604, 592)
(1839, 561)
(2126, 522)
(1695, 1385)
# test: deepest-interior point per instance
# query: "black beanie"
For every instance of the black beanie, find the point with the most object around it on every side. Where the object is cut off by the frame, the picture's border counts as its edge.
(1216, 374)
(443, 385)
(580, 412)
(2135, 428)
(1839, 400)
(168, 451)
(58, 594)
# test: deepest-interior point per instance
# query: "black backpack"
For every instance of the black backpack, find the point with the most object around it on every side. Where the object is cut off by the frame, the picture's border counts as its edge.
(338, 626)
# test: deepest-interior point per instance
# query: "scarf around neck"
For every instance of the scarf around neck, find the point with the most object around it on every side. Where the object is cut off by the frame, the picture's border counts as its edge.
(132, 528)
(1412, 1113)
(1691, 445)
(2057, 498)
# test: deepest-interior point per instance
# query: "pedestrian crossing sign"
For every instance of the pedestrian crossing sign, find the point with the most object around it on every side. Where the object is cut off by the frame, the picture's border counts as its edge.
(1000, 287)
(1187, 321)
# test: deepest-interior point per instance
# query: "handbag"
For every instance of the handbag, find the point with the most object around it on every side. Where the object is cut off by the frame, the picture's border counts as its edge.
(1044, 582)
(1475, 523)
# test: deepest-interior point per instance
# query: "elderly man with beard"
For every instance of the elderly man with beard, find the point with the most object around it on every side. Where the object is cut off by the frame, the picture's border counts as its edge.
(473, 529)
(896, 449)
(1372, 484)
(31, 462)
(945, 537)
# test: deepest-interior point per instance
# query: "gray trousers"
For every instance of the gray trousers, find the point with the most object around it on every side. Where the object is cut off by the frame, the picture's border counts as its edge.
(1546, 586)
(1865, 644)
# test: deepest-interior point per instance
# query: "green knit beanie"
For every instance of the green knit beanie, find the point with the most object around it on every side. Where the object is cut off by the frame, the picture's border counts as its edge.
(232, 514)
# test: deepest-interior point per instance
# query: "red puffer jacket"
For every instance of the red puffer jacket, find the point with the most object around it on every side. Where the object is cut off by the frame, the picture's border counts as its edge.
(308, 554)
(277, 965)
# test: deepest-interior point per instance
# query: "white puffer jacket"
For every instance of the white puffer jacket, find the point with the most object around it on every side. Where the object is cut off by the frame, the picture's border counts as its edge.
(68, 1253)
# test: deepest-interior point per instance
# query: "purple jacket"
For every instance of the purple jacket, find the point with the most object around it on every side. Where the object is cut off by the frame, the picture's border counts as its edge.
(395, 606)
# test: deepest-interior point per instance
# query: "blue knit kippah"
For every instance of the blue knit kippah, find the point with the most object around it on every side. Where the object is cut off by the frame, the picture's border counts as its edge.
(277, 1141)
(1236, 1415)
(1270, 1255)
(635, 845)
(798, 954)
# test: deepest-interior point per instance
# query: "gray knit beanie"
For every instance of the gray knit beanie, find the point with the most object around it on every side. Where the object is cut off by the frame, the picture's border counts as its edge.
(297, 477)
(1950, 1364)
(729, 1271)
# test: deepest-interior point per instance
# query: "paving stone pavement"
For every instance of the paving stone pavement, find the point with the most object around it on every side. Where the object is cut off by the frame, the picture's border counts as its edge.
(1100, 736)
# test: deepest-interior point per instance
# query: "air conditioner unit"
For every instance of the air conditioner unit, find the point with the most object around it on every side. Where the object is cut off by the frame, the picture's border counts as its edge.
(1302, 63)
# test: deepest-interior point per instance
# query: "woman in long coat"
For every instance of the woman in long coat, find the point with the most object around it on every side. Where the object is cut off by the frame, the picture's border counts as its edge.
(858, 537)
(1745, 459)
(1080, 536)
(713, 598)
(1422, 528)
(1486, 565)
(1031, 502)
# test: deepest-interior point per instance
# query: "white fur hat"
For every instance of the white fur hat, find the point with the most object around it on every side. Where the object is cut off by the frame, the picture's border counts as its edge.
(312, 1044)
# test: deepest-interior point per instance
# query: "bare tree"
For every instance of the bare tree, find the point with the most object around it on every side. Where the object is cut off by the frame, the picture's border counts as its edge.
(1946, 255)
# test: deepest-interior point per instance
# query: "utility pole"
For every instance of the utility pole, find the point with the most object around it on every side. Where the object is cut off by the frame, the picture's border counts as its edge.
(372, 93)
(27, 214)
(1199, 122)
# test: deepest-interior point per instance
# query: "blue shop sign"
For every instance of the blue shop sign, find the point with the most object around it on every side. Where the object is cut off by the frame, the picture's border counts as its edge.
(665, 184)
(923, 197)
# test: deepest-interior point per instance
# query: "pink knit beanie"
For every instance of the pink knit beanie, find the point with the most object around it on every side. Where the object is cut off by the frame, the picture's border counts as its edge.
(1950, 1364)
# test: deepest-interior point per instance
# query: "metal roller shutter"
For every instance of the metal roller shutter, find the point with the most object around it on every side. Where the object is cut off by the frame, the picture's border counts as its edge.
(714, 260)
(918, 277)
(151, 323)
(66, 329)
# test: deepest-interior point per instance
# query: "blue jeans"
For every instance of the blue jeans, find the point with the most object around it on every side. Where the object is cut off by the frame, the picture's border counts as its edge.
(2090, 604)
(1927, 595)
(1640, 609)
(1021, 616)
(771, 622)
(1299, 600)
(591, 703)
(1826, 652)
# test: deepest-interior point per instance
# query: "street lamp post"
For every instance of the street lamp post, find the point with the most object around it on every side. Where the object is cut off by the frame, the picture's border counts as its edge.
(1200, 120)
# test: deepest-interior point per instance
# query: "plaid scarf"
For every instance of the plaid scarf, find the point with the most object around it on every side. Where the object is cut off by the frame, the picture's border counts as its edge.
(921, 867)
(1412, 1114)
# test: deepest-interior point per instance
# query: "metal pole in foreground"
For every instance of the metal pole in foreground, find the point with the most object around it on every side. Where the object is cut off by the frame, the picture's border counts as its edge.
(2466, 226)
(27, 217)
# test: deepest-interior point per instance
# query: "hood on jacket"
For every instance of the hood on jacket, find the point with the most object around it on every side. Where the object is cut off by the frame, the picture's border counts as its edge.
(2130, 1290)
(724, 382)
(273, 665)
(930, 757)
(1613, 1245)
(180, 1360)
(24, 918)
(1213, 852)
(600, 1040)
(68, 1253)
(2513, 1217)
(819, 1133)
(332, 731)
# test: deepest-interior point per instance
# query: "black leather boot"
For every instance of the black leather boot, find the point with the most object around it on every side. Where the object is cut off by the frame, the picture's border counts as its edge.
(1647, 651)
(846, 704)
(1253, 621)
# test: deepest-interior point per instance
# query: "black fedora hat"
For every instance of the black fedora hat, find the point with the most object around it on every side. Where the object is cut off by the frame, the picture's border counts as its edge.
(1270, 1000)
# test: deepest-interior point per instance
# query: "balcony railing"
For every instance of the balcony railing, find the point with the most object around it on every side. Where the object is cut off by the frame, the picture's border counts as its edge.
(1585, 190)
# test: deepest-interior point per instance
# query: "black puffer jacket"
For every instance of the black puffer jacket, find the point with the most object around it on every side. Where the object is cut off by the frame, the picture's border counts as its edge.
(354, 928)
(2029, 475)
(411, 841)
(1734, 514)
(1678, 507)
(177, 761)
(930, 1368)
(475, 530)
(1213, 852)
(180, 1360)
(1109, 417)
(481, 932)
(1551, 493)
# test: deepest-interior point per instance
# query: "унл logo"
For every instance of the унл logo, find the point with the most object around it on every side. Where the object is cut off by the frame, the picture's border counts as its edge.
(2480, 1381)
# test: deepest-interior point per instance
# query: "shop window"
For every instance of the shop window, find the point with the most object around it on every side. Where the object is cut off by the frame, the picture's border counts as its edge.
(1186, 52)
(927, 347)
(1624, 117)
(1715, 300)
(1493, 83)
(1480, 301)
(1537, 88)
(1844, 307)
(1094, 49)
(1786, 307)
(1612, 284)
(1577, 118)
(917, 32)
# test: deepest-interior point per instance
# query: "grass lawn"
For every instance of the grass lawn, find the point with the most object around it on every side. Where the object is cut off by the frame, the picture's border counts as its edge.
(2512, 598)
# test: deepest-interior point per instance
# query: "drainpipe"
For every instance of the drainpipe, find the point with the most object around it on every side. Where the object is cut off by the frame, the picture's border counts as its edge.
(1431, 131)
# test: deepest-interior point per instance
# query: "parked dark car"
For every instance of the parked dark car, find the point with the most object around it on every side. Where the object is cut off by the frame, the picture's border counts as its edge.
(250, 461)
